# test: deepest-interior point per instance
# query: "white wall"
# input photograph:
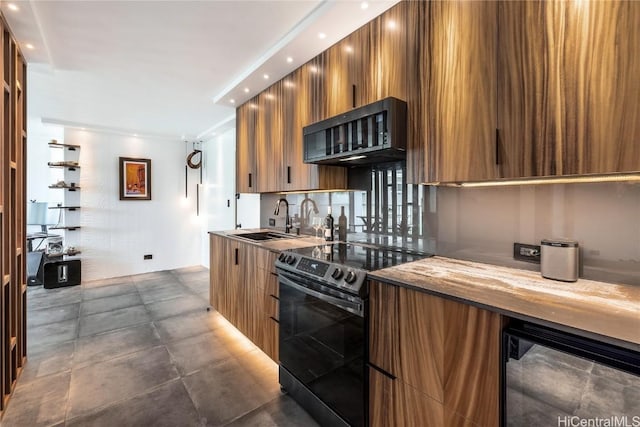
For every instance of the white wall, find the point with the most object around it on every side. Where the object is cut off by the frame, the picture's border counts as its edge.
(217, 208)
(116, 234)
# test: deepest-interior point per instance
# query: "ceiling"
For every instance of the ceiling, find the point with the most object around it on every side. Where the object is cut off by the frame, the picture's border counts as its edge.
(173, 69)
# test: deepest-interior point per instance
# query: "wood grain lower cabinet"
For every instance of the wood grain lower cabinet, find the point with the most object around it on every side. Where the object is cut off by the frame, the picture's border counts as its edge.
(243, 289)
(445, 356)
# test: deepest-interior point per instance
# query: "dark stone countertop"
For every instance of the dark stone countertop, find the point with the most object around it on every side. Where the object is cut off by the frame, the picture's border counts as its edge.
(606, 311)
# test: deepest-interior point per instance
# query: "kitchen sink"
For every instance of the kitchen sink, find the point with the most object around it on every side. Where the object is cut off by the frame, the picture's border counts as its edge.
(262, 236)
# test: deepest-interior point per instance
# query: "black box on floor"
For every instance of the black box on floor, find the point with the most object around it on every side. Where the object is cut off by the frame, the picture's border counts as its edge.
(56, 274)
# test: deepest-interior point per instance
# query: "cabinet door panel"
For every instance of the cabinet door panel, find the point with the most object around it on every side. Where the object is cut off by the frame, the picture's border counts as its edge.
(383, 326)
(420, 320)
(462, 90)
(418, 54)
(381, 400)
(471, 374)
(246, 116)
(414, 408)
(387, 72)
(269, 154)
(568, 91)
(601, 54)
(217, 266)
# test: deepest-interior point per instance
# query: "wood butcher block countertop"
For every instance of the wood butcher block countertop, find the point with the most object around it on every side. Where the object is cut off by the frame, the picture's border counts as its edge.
(605, 311)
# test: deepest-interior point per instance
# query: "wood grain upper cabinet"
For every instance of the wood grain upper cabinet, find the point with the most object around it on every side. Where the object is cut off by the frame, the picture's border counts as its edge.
(460, 91)
(269, 140)
(568, 87)
(300, 107)
(246, 116)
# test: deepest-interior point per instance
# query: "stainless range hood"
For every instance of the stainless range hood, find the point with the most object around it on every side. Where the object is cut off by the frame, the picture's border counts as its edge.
(374, 133)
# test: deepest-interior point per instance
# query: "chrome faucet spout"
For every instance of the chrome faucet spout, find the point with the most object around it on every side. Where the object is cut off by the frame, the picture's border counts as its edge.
(287, 225)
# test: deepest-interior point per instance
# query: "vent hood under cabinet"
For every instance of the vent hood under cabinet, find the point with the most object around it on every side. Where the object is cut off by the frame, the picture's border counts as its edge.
(373, 133)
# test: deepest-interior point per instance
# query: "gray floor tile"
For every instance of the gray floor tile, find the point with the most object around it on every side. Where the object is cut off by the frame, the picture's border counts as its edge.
(282, 411)
(224, 392)
(108, 291)
(158, 284)
(116, 380)
(52, 333)
(116, 319)
(197, 352)
(188, 325)
(151, 276)
(176, 306)
(198, 286)
(101, 305)
(52, 314)
(49, 360)
(168, 405)
(41, 402)
(192, 269)
(107, 282)
(174, 290)
(109, 345)
(53, 297)
(261, 368)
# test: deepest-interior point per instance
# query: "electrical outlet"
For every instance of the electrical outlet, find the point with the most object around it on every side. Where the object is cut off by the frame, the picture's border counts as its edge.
(528, 253)
(272, 222)
(148, 256)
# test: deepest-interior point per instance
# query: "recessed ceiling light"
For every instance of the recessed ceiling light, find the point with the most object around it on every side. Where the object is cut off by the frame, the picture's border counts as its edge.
(266, 76)
(246, 90)
(322, 36)
(29, 46)
(233, 101)
(364, 5)
(13, 7)
(391, 24)
(289, 59)
(135, 134)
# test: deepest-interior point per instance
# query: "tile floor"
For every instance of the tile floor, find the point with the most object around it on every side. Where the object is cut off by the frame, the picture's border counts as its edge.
(143, 351)
(546, 386)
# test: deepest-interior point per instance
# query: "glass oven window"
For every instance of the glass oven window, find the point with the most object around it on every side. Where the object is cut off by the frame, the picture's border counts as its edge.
(323, 347)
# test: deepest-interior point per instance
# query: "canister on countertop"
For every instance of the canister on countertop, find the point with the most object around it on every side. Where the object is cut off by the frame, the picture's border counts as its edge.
(559, 259)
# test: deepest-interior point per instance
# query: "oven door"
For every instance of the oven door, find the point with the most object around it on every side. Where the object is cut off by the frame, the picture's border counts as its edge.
(322, 343)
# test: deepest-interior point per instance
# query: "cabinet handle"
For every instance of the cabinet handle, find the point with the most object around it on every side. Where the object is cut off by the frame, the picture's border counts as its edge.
(274, 297)
(288, 174)
(497, 146)
(236, 251)
(382, 371)
(249, 180)
(274, 319)
(353, 96)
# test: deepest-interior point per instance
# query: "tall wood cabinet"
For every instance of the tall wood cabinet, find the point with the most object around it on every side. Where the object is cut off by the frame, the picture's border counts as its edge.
(433, 361)
(243, 288)
(13, 297)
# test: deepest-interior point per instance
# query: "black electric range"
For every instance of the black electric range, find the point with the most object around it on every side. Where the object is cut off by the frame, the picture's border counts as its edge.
(322, 323)
(344, 265)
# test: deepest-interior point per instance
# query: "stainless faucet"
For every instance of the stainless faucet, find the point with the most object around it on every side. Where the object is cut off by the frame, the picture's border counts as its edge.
(287, 224)
(306, 213)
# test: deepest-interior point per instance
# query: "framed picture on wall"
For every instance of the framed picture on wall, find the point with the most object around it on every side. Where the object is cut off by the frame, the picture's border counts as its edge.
(135, 179)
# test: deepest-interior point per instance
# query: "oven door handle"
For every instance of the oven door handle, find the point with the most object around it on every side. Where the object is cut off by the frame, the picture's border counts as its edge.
(350, 306)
